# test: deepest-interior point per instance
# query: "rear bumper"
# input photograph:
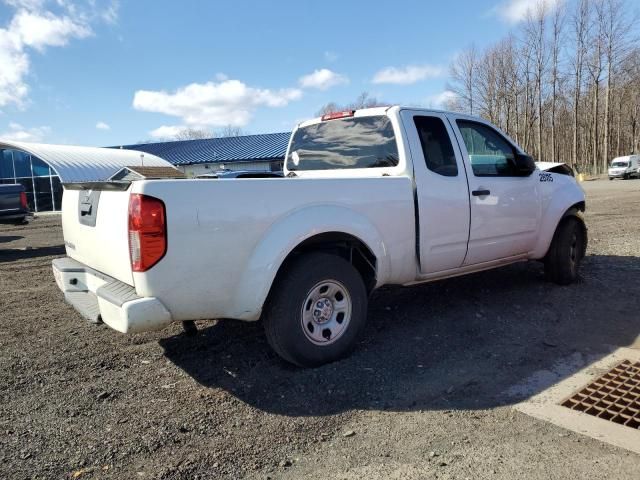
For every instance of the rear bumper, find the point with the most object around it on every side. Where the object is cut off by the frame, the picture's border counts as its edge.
(13, 216)
(98, 297)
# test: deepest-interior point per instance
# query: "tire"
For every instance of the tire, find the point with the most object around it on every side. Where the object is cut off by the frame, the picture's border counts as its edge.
(310, 325)
(610, 178)
(567, 250)
(625, 176)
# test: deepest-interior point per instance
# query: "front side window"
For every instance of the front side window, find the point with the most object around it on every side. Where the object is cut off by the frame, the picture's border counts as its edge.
(436, 146)
(361, 142)
(489, 152)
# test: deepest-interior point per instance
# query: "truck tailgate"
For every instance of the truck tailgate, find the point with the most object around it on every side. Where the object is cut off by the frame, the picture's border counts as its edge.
(95, 228)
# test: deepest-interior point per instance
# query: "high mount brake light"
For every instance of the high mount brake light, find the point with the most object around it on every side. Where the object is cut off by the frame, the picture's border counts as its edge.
(23, 201)
(336, 115)
(147, 231)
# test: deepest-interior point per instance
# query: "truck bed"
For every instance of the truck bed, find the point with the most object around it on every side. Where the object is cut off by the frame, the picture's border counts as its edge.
(226, 239)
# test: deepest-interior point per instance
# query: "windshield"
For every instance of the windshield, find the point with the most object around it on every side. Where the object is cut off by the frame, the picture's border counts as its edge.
(362, 142)
(620, 164)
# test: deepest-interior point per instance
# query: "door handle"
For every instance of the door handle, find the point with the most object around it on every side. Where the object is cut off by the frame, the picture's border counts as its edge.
(480, 193)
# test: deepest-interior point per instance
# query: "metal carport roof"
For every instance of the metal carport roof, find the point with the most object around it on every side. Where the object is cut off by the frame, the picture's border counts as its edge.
(84, 164)
(244, 148)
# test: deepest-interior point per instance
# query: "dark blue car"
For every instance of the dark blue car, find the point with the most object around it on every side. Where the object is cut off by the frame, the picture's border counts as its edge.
(13, 204)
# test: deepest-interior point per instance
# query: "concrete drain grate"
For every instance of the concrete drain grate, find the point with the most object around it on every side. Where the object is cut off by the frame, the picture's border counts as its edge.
(615, 396)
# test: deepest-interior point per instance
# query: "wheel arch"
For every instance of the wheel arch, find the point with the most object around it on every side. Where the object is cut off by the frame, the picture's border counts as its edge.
(330, 229)
(342, 244)
(555, 217)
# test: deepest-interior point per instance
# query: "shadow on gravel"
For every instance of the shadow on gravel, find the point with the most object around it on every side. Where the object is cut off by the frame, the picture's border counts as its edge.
(9, 238)
(474, 342)
(14, 254)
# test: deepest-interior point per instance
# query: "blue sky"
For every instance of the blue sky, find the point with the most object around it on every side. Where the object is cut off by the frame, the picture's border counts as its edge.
(102, 72)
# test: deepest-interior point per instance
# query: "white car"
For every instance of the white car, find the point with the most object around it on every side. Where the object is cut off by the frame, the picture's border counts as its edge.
(625, 167)
(371, 197)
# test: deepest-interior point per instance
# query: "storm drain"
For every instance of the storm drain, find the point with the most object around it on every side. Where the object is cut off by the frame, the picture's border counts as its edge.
(615, 396)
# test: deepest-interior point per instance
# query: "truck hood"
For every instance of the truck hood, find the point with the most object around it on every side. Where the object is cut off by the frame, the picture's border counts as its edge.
(546, 166)
(555, 167)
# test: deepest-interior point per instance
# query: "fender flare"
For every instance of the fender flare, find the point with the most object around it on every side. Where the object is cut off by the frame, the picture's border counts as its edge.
(283, 237)
(564, 202)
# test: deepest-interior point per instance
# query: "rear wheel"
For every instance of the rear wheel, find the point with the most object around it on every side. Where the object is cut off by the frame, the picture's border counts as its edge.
(566, 252)
(316, 310)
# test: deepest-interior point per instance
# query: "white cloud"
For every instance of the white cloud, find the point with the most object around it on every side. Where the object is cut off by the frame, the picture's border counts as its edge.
(515, 11)
(110, 14)
(217, 104)
(330, 56)
(27, 4)
(103, 126)
(19, 133)
(323, 79)
(407, 75)
(441, 100)
(46, 30)
(14, 65)
(168, 131)
(34, 27)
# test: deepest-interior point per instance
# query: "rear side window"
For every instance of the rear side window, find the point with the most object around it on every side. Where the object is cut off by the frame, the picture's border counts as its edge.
(436, 146)
(489, 153)
(362, 142)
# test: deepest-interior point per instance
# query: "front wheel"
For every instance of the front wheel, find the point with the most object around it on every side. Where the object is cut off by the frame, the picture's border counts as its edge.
(316, 310)
(566, 251)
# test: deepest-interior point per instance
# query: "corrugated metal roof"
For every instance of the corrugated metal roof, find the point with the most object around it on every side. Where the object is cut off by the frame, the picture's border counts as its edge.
(267, 146)
(84, 164)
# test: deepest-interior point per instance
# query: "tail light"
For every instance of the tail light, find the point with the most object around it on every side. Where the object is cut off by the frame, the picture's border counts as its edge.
(147, 231)
(23, 201)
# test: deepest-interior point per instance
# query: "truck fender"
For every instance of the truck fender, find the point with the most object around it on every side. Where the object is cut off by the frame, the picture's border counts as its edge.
(564, 200)
(284, 236)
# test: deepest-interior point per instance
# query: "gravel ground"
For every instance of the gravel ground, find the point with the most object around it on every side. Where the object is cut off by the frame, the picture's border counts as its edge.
(427, 394)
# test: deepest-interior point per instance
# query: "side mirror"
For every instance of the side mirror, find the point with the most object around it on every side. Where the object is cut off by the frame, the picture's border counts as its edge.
(525, 165)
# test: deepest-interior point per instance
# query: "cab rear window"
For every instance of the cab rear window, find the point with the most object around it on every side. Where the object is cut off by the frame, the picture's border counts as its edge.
(361, 142)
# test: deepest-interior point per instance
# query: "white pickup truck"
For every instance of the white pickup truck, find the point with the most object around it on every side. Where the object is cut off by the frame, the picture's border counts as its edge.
(370, 197)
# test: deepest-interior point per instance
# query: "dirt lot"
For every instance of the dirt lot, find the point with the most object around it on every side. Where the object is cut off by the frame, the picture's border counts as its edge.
(428, 393)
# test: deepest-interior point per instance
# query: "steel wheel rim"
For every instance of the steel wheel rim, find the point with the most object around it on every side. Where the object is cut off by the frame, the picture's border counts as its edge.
(326, 312)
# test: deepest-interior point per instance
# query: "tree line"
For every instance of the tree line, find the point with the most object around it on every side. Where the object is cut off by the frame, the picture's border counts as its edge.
(566, 87)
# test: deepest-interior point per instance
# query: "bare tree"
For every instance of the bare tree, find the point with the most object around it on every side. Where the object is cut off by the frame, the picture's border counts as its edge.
(615, 31)
(573, 97)
(557, 26)
(595, 68)
(192, 134)
(462, 73)
(535, 36)
(364, 100)
(229, 131)
(580, 24)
